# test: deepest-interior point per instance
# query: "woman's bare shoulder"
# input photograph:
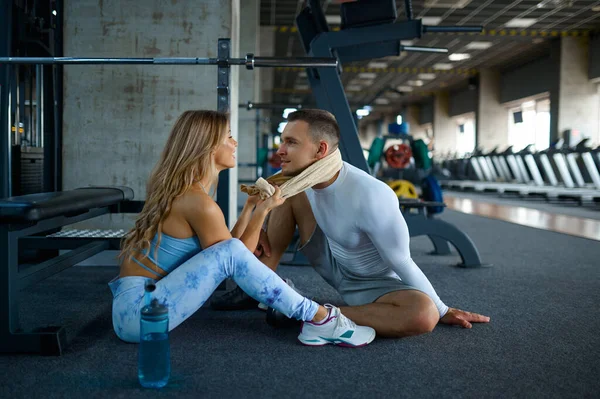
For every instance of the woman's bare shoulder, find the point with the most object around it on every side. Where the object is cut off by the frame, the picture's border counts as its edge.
(196, 202)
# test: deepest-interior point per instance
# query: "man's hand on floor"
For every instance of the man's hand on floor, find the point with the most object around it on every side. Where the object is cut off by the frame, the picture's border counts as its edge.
(461, 318)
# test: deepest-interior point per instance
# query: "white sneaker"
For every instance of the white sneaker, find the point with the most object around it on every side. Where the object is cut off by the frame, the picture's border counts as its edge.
(336, 329)
(289, 282)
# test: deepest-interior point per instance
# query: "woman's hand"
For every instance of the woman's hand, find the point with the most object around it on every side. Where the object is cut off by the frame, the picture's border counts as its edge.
(272, 202)
(253, 200)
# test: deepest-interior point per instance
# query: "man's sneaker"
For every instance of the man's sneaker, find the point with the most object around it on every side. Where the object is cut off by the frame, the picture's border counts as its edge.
(235, 299)
(336, 329)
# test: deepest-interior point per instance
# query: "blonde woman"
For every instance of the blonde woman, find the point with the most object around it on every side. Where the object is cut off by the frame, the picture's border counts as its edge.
(181, 242)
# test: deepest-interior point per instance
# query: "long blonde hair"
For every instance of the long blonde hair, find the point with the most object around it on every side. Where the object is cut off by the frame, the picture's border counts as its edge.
(186, 159)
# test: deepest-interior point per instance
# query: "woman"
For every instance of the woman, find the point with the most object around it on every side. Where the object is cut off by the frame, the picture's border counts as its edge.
(181, 242)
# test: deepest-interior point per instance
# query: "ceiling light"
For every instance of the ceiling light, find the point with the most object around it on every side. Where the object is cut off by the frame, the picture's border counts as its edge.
(301, 87)
(377, 64)
(295, 100)
(479, 45)
(404, 88)
(354, 88)
(333, 19)
(302, 74)
(362, 112)
(382, 101)
(407, 42)
(442, 66)
(415, 82)
(537, 40)
(426, 76)
(459, 57)
(431, 20)
(392, 94)
(520, 22)
(596, 8)
(367, 75)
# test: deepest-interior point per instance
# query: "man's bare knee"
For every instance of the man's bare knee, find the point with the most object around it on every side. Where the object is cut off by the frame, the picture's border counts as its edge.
(425, 318)
(422, 318)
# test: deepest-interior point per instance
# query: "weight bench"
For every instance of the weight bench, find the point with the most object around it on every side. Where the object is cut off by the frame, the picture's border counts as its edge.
(22, 220)
(421, 223)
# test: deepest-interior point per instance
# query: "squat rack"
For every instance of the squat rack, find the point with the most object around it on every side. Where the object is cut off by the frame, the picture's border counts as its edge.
(223, 63)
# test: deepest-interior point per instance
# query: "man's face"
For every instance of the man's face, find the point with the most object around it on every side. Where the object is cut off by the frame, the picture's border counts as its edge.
(297, 150)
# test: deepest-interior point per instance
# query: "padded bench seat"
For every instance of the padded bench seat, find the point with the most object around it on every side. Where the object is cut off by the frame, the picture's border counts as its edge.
(22, 219)
(36, 207)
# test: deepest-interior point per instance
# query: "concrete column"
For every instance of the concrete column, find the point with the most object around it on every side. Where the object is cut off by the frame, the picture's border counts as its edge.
(444, 129)
(117, 117)
(267, 49)
(578, 99)
(368, 131)
(234, 110)
(492, 117)
(411, 116)
(249, 29)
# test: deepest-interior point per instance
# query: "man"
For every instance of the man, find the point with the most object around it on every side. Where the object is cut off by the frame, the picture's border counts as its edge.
(353, 233)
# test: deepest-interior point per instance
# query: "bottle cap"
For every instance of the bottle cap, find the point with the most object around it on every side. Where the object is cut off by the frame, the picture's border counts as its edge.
(155, 309)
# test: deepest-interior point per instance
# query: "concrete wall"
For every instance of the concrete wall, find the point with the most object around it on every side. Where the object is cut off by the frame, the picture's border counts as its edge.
(117, 117)
(444, 128)
(579, 103)
(367, 133)
(492, 116)
(417, 130)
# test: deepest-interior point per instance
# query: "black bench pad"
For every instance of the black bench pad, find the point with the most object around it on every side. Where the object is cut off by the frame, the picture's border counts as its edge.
(415, 203)
(36, 207)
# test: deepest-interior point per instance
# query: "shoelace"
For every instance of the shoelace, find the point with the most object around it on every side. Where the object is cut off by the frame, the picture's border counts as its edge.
(345, 323)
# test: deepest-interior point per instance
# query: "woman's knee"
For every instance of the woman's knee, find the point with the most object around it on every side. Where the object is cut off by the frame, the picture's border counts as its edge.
(234, 245)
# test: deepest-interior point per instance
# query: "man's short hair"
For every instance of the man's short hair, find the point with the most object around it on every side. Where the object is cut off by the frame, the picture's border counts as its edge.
(322, 125)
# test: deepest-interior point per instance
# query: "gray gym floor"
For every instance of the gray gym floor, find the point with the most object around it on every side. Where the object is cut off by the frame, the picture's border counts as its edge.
(541, 292)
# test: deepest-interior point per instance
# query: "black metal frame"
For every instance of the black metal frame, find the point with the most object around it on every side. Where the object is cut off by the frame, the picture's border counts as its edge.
(5, 50)
(355, 44)
(14, 277)
(441, 233)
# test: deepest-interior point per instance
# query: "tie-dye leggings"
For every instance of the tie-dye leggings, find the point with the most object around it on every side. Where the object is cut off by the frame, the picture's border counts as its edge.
(185, 289)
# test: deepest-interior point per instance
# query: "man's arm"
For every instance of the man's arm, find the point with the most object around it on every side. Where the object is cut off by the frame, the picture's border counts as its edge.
(383, 222)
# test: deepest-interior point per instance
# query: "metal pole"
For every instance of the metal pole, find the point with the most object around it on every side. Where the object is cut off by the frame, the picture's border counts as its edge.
(408, 9)
(424, 49)
(250, 61)
(445, 29)
(5, 133)
(223, 52)
(39, 103)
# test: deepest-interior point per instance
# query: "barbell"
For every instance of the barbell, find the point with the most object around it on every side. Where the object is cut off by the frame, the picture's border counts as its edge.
(250, 61)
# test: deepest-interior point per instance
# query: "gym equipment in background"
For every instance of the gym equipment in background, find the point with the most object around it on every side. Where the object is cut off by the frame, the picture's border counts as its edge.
(223, 61)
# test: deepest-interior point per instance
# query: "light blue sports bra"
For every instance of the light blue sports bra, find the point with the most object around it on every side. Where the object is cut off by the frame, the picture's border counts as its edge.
(171, 253)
